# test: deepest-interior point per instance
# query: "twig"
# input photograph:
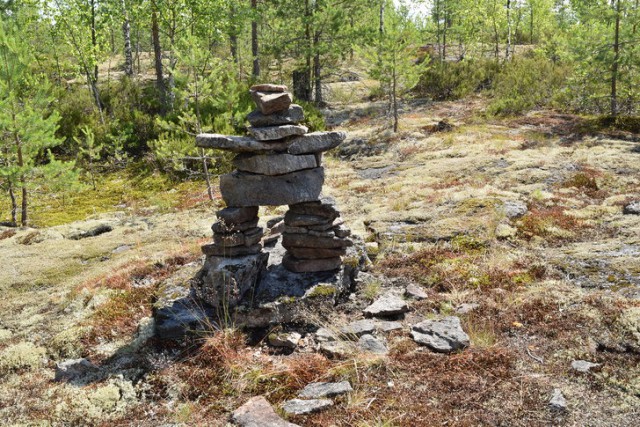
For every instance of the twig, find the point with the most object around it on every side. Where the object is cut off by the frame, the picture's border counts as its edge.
(534, 357)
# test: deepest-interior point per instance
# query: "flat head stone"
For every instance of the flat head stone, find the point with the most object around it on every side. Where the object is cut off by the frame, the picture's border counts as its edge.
(291, 116)
(316, 253)
(230, 251)
(239, 144)
(387, 305)
(232, 215)
(224, 227)
(257, 412)
(308, 241)
(268, 87)
(244, 189)
(359, 328)
(239, 238)
(310, 265)
(442, 336)
(320, 390)
(271, 102)
(273, 133)
(303, 407)
(316, 142)
(273, 164)
(293, 219)
(371, 344)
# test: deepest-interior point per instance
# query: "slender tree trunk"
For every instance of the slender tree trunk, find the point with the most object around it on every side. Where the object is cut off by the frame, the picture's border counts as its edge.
(507, 54)
(531, 23)
(444, 33)
(14, 205)
(615, 65)
(255, 72)
(317, 70)
(94, 41)
(394, 94)
(24, 216)
(126, 34)
(157, 53)
(307, 34)
(495, 31)
(233, 36)
(138, 48)
(381, 18)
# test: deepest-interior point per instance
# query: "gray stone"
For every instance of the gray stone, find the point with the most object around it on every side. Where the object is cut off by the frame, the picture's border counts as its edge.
(310, 265)
(632, 208)
(224, 282)
(583, 365)
(273, 164)
(303, 407)
(233, 215)
(336, 349)
(325, 207)
(326, 234)
(442, 336)
(358, 328)
(91, 232)
(257, 412)
(268, 87)
(558, 402)
(273, 133)
(270, 102)
(287, 340)
(388, 326)
(335, 224)
(341, 231)
(416, 292)
(293, 115)
(295, 230)
(224, 227)
(74, 370)
(239, 144)
(514, 208)
(371, 344)
(216, 250)
(307, 241)
(241, 238)
(243, 189)
(388, 304)
(320, 390)
(325, 335)
(316, 142)
(294, 219)
(466, 308)
(316, 253)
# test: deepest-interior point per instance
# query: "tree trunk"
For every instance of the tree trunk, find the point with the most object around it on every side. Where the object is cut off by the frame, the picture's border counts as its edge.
(531, 24)
(309, 48)
(14, 205)
(507, 54)
(94, 41)
(301, 85)
(157, 53)
(255, 72)
(24, 217)
(317, 70)
(394, 95)
(614, 67)
(126, 34)
(233, 36)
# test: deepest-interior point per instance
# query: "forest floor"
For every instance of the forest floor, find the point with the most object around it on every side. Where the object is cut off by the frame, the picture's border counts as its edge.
(514, 225)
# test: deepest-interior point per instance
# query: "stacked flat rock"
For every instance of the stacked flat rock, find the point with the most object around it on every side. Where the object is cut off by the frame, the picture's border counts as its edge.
(314, 236)
(278, 164)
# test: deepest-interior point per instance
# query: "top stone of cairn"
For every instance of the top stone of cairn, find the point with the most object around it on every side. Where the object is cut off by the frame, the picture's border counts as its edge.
(269, 88)
(271, 98)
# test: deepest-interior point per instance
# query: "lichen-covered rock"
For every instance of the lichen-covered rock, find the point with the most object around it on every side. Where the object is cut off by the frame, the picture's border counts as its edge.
(272, 133)
(320, 390)
(274, 164)
(389, 304)
(303, 407)
(442, 336)
(257, 412)
(315, 142)
(291, 116)
(239, 144)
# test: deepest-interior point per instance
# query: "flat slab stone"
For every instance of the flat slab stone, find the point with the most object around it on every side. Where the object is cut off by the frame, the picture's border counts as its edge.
(293, 219)
(310, 241)
(243, 189)
(388, 326)
(325, 207)
(271, 102)
(371, 344)
(240, 238)
(442, 336)
(583, 366)
(310, 265)
(316, 142)
(416, 292)
(272, 133)
(287, 340)
(359, 328)
(268, 87)
(291, 116)
(303, 407)
(239, 144)
(387, 305)
(257, 412)
(232, 215)
(274, 164)
(225, 227)
(632, 208)
(213, 249)
(316, 253)
(320, 390)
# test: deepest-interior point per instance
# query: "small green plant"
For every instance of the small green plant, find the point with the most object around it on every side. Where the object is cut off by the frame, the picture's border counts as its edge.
(372, 289)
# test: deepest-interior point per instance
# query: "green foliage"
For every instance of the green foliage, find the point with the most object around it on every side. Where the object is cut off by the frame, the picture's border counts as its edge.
(454, 80)
(313, 117)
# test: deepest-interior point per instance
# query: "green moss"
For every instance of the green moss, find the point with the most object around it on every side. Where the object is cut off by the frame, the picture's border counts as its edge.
(323, 291)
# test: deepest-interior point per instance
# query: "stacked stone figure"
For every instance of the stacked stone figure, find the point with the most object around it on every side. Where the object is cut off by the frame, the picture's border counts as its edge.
(279, 164)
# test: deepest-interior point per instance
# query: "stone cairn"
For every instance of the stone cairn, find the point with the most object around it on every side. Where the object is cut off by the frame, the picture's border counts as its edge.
(279, 164)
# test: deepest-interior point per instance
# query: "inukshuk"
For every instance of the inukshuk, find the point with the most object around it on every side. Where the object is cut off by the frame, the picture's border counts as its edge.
(279, 164)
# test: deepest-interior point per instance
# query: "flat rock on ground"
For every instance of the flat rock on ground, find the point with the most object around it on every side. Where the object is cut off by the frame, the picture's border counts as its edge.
(359, 328)
(303, 407)
(583, 365)
(442, 336)
(389, 304)
(632, 208)
(320, 390)
(257, 412)
(371, 344)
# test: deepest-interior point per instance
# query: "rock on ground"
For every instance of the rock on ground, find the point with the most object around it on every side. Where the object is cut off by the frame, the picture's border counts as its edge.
(442, 336)
(387, 305)
(74, 370)
(558, 401)
(632, 208)
(583, 365)
(359, 328)
(371, 344)
(287, 340)
(320, 390)
(257, 412)
(303, 407)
